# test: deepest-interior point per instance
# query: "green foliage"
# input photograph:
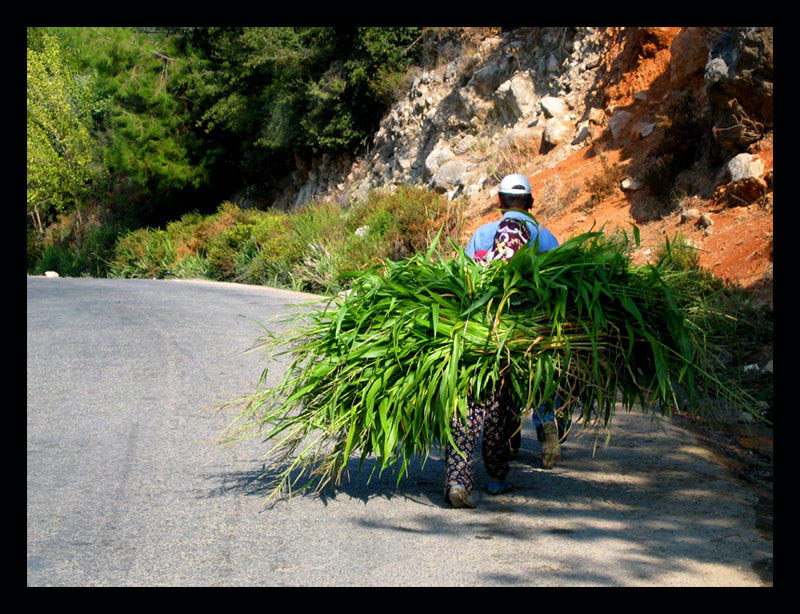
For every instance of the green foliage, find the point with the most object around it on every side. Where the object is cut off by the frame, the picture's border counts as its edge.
(314, 248)
(738, 329)
(152, 123)
(143, 253)
(60, 151)
(274, 92)
(77, 253)
(138, 117)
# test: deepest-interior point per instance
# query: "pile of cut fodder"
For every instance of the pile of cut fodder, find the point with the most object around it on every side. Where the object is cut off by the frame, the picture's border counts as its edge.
(379, 372)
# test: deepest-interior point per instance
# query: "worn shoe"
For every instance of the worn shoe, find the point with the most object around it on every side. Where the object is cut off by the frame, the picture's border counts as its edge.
(498, 488)
(458, 496)
(551, 446)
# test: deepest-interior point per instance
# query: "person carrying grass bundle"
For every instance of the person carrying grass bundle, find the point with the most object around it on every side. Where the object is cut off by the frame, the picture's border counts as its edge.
(494, 413)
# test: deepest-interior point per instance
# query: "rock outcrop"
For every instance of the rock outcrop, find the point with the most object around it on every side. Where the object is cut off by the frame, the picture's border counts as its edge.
(536, 92)
(739, 83)
(526, 88)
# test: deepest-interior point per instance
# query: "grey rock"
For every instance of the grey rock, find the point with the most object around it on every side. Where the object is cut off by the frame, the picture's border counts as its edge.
(553, 107)
(440, 154)
(449, 175)
(516, 98)
(619, 122)
(487, 79)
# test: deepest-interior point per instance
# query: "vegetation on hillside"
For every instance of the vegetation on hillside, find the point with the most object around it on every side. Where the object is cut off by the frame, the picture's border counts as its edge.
(312, 248)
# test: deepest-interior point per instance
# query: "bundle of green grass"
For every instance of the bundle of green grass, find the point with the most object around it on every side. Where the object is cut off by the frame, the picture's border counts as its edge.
(381, 371)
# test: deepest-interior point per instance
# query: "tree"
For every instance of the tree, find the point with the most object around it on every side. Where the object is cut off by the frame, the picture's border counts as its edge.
(150, 149)
(60, 150)
(264, 95)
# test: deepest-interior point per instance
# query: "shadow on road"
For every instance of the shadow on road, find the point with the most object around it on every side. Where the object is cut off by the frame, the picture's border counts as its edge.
(653, 501)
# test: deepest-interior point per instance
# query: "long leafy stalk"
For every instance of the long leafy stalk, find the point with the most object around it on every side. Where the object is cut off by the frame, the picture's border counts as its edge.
(381, 371)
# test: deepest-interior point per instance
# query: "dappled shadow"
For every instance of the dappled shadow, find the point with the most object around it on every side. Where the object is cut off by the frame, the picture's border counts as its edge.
(650, 505)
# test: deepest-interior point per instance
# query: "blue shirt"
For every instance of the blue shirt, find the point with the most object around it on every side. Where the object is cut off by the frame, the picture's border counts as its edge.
(484, 236)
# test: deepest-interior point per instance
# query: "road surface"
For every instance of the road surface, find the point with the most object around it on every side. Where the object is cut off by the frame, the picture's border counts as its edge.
(125, 486)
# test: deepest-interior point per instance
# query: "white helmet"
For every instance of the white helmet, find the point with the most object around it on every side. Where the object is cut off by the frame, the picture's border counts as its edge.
(515, 184)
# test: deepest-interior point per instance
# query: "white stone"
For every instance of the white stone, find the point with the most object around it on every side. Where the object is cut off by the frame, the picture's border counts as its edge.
(440, 154)
(631, 184)
(555, 131)
(553, 107)
(744, 166)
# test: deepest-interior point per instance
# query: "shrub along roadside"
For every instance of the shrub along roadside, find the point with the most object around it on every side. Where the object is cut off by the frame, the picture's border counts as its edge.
(309, 249)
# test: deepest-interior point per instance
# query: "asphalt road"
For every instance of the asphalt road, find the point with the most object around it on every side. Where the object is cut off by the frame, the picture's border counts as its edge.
(125, 486)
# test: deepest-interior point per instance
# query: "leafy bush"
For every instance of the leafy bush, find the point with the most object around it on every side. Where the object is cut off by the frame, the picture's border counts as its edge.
(73, 249)
(739, 330)
(143, 253)
(407, 219)
(313, 248)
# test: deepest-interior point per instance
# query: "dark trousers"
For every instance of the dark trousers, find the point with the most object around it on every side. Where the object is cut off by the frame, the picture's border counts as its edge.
(495, 415)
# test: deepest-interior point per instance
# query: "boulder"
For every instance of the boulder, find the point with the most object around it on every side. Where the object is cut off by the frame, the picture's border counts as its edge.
(487, 79)
(618, 124)
(689, 56)
(553, 107)
(515, 98)
(744, 166)
(556, 131)
(440, 154)
(449, 175)
(525, 138)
